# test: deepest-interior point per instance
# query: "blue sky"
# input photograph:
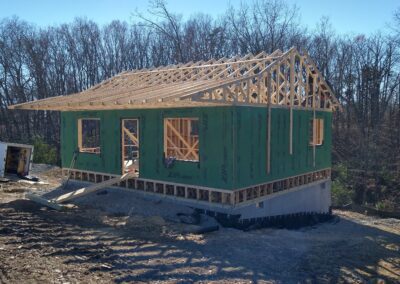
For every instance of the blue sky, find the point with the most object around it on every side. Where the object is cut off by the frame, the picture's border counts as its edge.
(354, 16)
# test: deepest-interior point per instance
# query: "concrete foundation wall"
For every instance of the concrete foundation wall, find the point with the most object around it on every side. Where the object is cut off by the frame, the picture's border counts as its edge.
(311, 198)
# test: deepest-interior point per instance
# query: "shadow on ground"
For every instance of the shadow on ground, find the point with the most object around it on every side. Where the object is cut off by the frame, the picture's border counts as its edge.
(83, 247)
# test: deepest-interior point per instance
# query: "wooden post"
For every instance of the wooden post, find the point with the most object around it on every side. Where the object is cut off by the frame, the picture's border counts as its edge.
(122, 145)
(248, 91)
(259, 88)
(313, 123)
(269, 86)
(278, 84)
(165, 138)
(292, 58)
(79, 133)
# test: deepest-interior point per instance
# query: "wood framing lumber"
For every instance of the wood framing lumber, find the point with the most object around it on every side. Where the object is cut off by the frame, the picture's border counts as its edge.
(314, 116)
(131, 136)
(216, 196)
(191, 149)
(44, 201)
(234, 81)
(292, 63)
(269, 90)
(93, 188)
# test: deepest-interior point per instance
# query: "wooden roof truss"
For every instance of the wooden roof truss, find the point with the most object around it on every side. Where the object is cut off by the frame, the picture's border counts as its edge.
(292, 80)
(288, 79)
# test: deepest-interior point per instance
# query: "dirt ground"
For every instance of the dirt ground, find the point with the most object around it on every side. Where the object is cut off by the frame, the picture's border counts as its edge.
(85, 245)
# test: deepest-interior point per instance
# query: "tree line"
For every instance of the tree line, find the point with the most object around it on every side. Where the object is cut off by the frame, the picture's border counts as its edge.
(363, 70)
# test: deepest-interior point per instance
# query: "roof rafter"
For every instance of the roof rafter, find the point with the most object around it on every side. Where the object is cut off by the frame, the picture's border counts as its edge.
(235, 81)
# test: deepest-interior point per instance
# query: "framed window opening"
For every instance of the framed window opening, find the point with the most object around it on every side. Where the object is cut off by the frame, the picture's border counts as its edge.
(181, 138)
(316, 136)
(89, 135)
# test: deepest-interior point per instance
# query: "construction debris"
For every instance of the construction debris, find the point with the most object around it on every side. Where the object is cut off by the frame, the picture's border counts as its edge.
(43, 201)
(77, 193)
(29, 178)
(93, 188)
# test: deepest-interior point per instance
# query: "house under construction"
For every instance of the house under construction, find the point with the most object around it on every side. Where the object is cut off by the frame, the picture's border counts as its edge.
(245, 136)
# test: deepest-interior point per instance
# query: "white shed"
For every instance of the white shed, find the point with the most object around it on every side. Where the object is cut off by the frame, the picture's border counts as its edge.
(15, 158)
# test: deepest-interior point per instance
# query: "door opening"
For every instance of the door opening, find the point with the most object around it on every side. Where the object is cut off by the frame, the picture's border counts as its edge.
(130, 145)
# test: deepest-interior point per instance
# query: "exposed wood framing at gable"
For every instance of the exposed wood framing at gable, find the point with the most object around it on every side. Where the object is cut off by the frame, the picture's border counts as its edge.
(290, 77)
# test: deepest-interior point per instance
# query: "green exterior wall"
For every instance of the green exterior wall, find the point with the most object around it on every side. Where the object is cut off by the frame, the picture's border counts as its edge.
(251, 146)
(215, 168)
(232, 145)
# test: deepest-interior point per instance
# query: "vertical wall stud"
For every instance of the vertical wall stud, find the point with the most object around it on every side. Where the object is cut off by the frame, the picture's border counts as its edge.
(269, 88)
(292, 58)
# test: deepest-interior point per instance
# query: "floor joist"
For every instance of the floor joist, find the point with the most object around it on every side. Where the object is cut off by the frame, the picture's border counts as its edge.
(200, 193)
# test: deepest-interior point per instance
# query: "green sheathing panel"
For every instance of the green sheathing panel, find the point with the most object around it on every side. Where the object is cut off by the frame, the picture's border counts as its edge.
(251, 145)
(233, 145)
(215, 168)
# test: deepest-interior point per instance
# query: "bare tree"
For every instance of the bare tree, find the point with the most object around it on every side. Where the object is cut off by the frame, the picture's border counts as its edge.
(265, 25)
(167, 24)
(363, 70)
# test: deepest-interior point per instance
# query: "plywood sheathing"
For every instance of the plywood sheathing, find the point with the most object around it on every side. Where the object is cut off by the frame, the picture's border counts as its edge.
(235, 81)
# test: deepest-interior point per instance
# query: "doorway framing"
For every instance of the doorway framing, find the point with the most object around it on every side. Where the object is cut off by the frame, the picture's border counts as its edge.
(130, 132)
